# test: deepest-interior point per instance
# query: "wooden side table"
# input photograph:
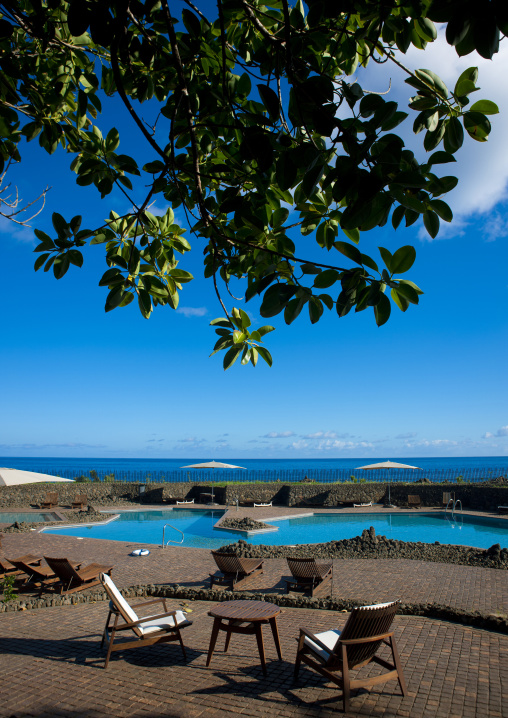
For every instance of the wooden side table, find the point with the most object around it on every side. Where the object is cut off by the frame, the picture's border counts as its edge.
(245, 617)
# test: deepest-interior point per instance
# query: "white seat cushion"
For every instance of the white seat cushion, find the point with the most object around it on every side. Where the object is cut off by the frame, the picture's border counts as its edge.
(378, 605)
(329, 638)
(163, 624)
(120, 603)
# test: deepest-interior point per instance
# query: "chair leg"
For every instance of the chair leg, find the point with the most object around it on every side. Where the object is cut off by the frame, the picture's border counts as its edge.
(179, 633)
(298, 661)
(105, 630)
(396, 661)
(346, 684)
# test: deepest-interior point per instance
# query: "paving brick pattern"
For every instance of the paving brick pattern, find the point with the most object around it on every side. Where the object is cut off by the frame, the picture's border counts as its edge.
(465, 587)
(51, 665)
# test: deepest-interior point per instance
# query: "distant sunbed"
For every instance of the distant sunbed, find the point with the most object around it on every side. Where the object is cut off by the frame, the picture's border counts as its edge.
(257, 505)
(73, 579)
(235, 571)
(357, 506)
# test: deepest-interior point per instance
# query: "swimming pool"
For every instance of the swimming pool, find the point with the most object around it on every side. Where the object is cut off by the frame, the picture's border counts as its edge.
(29, 516)
(197, 525)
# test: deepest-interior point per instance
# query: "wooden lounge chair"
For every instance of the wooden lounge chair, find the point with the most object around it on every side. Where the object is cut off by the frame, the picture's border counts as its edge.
(414, 501)
(35, 572)
(309, 576)
(185, 502)
(355, 646)
(72, 578)
(447, 497)
(149, 630)
(358, 506)
(8, 568)
(50, 500)
(235, 571)
(80, 501)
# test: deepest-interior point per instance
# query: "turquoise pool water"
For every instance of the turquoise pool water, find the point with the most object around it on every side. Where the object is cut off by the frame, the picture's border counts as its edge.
(146, 527)
(28, 516)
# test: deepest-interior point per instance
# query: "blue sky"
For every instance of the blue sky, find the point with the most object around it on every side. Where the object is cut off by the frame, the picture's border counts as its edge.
(432, 382)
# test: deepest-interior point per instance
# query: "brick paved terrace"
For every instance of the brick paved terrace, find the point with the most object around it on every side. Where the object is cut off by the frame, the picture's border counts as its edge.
(52, 665)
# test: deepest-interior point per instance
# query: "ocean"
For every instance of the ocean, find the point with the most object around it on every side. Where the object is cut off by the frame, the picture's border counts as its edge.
(472, 468)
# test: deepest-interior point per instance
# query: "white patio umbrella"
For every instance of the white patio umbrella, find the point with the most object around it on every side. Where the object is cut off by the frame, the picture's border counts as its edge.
(387, 465)
(15, 477)
(212, 465)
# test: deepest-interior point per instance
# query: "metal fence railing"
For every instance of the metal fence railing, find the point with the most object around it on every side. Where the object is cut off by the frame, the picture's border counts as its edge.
(324, 476)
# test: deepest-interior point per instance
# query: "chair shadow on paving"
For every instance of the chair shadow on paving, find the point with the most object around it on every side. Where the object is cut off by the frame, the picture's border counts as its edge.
(87, 650)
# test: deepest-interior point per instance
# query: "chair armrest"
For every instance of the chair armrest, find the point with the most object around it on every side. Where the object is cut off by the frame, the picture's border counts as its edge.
(148, 603)
(315, 639)
(367, 639)
(133, 624)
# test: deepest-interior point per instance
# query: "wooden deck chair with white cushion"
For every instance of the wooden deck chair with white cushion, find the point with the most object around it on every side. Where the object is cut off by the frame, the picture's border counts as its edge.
(366, 630)
(149, 630)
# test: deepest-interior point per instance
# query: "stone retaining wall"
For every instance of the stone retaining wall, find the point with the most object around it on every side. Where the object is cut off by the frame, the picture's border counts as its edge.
(484, 497)
(478, 619)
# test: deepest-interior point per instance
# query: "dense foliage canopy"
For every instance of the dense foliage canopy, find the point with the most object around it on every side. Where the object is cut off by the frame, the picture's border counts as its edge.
(256, 113)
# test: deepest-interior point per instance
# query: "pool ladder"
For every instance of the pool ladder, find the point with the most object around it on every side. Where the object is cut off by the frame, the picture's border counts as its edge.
(454, 504)
(164, 542)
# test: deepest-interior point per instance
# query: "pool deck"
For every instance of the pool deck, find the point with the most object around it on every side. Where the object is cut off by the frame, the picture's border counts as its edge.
(52, 665)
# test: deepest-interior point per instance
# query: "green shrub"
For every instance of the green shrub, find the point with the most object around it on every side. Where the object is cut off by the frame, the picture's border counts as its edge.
(7, 585)
(109, 478)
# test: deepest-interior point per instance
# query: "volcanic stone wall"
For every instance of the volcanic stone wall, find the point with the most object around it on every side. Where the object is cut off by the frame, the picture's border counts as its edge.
(482, 497)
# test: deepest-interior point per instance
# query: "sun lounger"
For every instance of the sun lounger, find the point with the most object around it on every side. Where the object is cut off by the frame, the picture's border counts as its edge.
(36, 572)
(149, 630)
(502, 509)
(257, 505)
(50, 500)
(80, 501)
(309, 576)
(8, 568)
(73, 579)
(234, 571)
(366, 630)
(357, 506)
(414, 501)
(186, 502)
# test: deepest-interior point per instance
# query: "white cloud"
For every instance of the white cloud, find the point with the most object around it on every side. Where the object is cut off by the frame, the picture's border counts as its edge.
(495, 227)
(482, 167)
(278, 434)
(17, 231)
(192, 311)
(503, 431)
(324, 435)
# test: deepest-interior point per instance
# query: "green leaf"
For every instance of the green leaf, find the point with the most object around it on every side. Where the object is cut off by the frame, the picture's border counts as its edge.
(61, 226)
(431, 222)
(270, 100)
(112, 140)
(382, 310)
(61, 265)
(453, 136)
(442, 209)
(349, 251)
(430, 78)
(477, 126)
(326, 278)
(387, 258)
(266, 329)
(265, 354)
(279, 217)
(403, 259)
(40, 261)
(399, 300)
(441, 158)
(486, 107)
(315, 309)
